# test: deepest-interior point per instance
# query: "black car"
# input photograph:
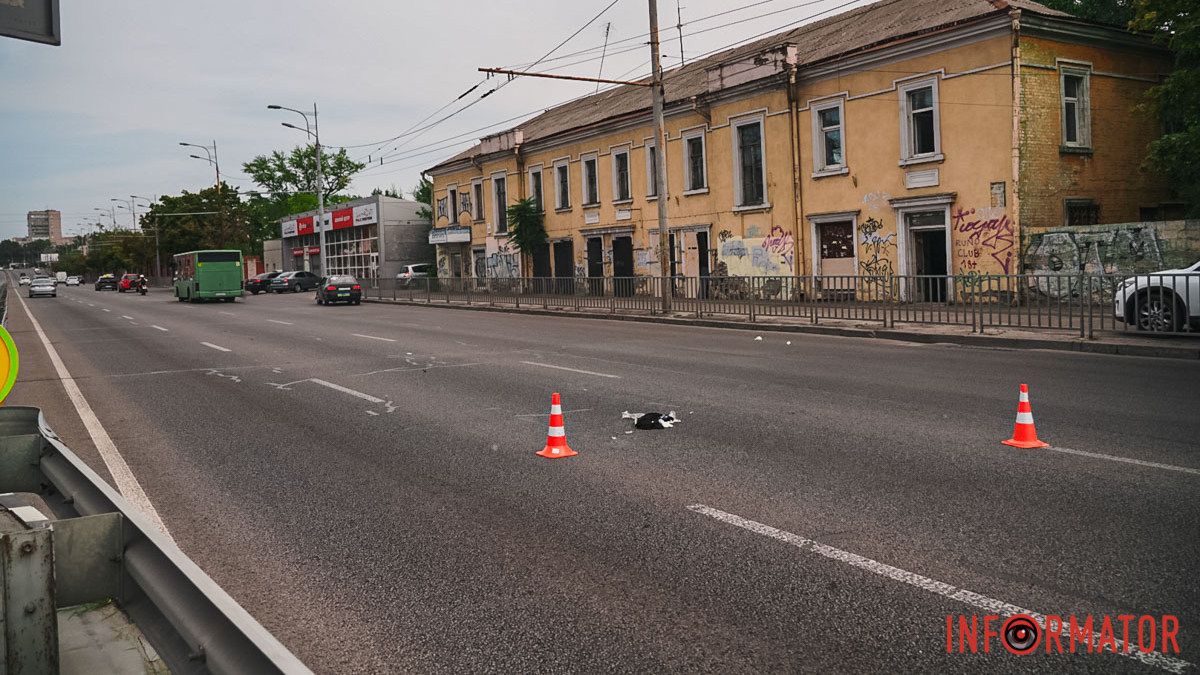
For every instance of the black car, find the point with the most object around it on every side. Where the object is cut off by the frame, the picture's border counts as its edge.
(106, 282)
(294, 282)
(339, 288)
(260, 282)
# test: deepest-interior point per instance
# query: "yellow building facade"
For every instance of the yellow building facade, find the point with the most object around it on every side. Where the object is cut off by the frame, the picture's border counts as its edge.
(920, 153)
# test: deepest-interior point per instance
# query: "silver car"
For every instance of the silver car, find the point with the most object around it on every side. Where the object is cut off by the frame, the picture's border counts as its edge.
(43, 286)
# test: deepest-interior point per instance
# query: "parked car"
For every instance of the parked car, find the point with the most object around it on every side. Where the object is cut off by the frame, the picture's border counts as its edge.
(339, 288)
(410, 272)
(23, 280)
(1165, 301)
(43, 286)
(294, 282)
(106, 281)
(127, 282)
(259, 282)
(72, 281)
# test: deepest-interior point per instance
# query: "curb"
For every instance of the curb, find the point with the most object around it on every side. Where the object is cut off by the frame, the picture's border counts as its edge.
(983, 341)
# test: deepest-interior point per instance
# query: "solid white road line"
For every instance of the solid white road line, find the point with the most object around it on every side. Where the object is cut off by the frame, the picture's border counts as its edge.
(159, 328)
(573, 370)
(372, 337)
(1004, 609)
(126, 316)
(1127, 460)
(228, 313)
(286, 323)
(127, 484)
(216, 347)
(344, 390)
(105, 310)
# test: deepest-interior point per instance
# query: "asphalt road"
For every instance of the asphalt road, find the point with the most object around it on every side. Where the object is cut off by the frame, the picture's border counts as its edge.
(363, 480)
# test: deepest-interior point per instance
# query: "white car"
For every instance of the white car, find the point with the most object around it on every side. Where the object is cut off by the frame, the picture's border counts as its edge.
(72, 281)
(1165, 301)
(23, 281)
(411, 272)
(43, 286)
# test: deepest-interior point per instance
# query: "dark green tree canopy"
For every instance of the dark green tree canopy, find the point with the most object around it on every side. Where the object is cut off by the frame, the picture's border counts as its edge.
(297, 171)
(526, 230)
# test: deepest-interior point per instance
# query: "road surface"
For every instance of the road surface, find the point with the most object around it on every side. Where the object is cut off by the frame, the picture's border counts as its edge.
(363, 480)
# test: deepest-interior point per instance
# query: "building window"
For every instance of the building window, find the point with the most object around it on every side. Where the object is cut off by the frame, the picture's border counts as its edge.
(620, 169)
(920, 135)
(477, 191)
(500, 199)
(562, 187)
(749, 167)
(828, 134)
(591, 192)
(651, 169)
(1082, 212)
(452, 211)
(1076, 108)
(696, 176)
(535, 187)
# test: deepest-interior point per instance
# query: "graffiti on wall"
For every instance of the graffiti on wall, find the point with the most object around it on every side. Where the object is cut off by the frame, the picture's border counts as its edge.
(984, 241)
(755, 255)
(878, 249)
(502, 260)
(441, 207)
(1105, 249)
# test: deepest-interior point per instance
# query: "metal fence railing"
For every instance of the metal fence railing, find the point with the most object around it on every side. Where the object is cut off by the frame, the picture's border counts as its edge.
(1084, 303)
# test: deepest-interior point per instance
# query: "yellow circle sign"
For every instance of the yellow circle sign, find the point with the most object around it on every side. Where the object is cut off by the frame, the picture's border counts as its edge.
(9, 363)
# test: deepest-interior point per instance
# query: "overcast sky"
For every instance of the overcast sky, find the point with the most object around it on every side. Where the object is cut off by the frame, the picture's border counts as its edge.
(102, 115)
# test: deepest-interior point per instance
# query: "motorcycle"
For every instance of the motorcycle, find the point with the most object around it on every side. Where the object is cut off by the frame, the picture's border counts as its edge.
(141, 285)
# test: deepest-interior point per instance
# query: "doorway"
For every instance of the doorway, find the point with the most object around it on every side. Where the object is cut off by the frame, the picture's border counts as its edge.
(595, 265)
(622, 257)
(564, 266)
(928, 258)
(702, 261)
(541, 268)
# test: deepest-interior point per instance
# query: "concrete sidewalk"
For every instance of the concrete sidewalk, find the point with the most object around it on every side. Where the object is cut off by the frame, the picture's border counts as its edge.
(1124, 344)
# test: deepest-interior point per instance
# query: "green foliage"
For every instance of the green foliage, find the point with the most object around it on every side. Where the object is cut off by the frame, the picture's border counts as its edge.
(525, 227)
(1112, 12)
(423, 192)
(297, 171)
(392, 191)
(1176, 24)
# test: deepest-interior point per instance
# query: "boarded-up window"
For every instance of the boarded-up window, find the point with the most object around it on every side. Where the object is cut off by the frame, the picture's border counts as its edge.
(837, 240)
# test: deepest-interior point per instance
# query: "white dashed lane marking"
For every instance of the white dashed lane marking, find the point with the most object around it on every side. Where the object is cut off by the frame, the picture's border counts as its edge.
(216, 347)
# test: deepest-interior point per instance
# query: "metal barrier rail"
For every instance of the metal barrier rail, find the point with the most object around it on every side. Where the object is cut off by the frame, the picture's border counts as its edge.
(189, 620)
(1085, 303)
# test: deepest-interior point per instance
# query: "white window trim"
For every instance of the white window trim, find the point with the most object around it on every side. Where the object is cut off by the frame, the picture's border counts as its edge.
(614, 152)
(734, 123)
(820, 170)
(536, 168)
(452, 212)
(1083, 105)
(496, 205)
(583, 188)
(651, 176)
(559, 199)
(814, 223)
(902, 232)
(906, 156)
(477, 214)
(687, 165)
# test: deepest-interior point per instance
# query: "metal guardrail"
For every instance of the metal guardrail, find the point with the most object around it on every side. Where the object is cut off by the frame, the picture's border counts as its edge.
(189, 620)
(1085, 303)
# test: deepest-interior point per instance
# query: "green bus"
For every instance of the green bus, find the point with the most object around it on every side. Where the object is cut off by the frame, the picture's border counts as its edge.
(208, 275)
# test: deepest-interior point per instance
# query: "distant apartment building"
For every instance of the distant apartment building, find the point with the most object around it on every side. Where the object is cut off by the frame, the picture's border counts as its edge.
(45, 225)
(928, 137)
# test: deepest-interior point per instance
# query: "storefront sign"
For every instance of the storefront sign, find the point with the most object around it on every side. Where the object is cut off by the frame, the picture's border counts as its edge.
(298, 251)
(287, 228)
(304, 225)
(366, 214)
(312, 250)
(343, 218)
(450, 235)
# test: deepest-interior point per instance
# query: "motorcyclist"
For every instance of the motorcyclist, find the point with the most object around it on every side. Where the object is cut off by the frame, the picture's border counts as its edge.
(141, 284)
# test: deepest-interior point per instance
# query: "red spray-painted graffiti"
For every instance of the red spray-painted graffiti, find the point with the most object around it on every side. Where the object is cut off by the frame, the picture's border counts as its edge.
(781, 243)
(989, 232)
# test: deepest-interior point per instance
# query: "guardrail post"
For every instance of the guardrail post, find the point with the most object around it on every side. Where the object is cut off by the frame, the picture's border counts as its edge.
(751, 304)
(27, 599)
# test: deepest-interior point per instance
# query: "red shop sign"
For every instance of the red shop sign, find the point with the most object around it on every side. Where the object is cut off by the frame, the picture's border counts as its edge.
(313, 250)
(343, 219)
(297, 251)
(304, 225)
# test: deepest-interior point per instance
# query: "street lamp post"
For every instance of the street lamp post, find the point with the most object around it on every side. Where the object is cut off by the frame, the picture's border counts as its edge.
(315, 131)
(132, 208)
(157, 257)
(211, 158)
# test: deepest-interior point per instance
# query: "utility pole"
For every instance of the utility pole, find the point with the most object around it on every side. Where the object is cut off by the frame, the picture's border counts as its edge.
(320, 196)
(660, 135)
(679, 27)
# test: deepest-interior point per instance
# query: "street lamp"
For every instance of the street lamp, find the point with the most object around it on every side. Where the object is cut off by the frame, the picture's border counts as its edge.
(132, 206)
(315, 131)
(112, 213)
(157, 257)
(210, 157)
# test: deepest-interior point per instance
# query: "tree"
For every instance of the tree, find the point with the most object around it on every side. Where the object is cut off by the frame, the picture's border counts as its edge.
(1176, 24)
(392, 191)
(297, 170)
(526, 230)
(211, 218)
(423, 193)
(1111, 12)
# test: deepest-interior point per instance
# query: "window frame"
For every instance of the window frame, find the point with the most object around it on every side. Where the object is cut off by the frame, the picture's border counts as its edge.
(735, 124)
(820, 168)
(686, 137)
(907, 156)
(583, 178)
(1083, 105)
(540, 194)
(650, 149)
(452, 198)
(1068, 202)
(496, 205)
(615, 152)
(477, 213)
(562, 198)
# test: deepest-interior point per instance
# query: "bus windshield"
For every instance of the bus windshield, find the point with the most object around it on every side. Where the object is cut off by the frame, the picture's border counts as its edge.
(218, 256)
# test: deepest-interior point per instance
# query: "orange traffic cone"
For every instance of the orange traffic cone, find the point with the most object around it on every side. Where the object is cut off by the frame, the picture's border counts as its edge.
(1024, 433)
(556, 438)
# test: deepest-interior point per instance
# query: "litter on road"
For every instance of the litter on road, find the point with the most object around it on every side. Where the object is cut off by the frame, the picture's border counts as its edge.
(758, 339)
(651, 420)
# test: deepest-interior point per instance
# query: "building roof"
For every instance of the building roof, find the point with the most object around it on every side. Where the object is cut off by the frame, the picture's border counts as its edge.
(838, 35)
